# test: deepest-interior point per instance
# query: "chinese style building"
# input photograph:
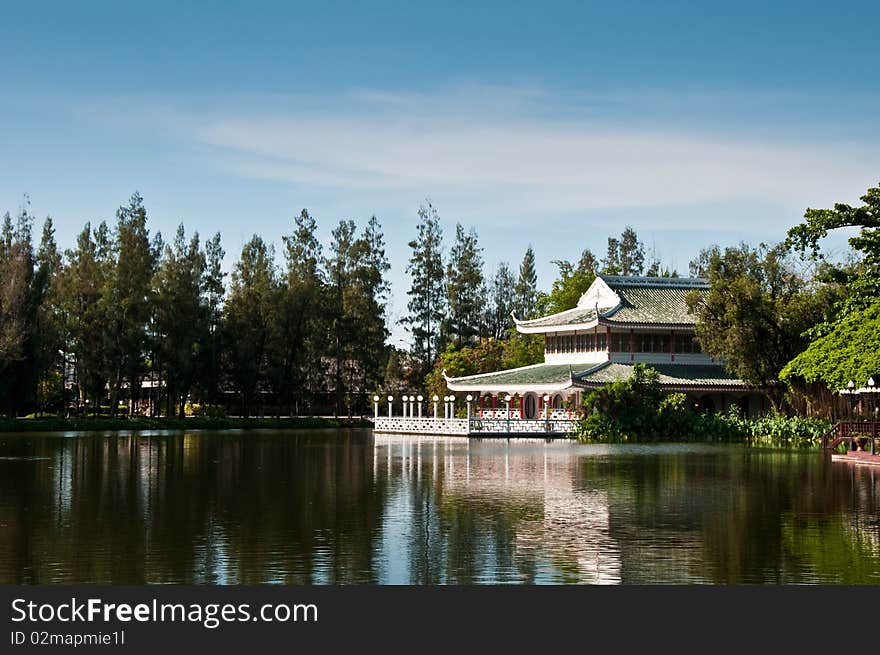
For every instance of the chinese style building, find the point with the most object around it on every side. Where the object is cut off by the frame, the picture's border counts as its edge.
(617, 323)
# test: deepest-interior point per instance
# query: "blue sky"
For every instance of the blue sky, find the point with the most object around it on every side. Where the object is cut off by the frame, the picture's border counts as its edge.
(554, 124)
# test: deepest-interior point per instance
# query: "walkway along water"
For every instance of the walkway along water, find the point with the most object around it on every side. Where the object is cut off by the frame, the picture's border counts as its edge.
(506, 422)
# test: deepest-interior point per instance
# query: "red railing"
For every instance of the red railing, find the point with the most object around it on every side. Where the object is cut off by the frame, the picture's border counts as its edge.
(853, 432)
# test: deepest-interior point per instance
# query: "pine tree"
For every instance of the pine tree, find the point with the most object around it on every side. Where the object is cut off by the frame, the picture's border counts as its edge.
(214, 291)
(526, 289)
(128, 302)
(248, 315)
(464, 288)
(370, 311)
(498, 320)
(51, 323)
(18, 312)
(625, 256)
(301, 317)
(181, 316)
(343, 294)
(427, 293)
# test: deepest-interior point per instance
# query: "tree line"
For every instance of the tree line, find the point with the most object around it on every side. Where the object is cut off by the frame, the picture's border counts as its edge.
(129, 322)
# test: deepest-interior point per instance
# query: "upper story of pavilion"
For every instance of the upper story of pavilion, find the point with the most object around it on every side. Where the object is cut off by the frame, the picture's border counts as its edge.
(625, 320)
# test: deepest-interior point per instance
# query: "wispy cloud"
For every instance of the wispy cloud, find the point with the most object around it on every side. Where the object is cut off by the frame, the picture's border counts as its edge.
(528, 152)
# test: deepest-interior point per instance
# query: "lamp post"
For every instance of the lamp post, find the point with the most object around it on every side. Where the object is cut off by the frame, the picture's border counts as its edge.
(872, 389)
(390, 401)
(546, 413)
(420, 399)
(451, 406)
(507, 400)
(469, 398)
(375, 406)
(436, 398)
(851, 386)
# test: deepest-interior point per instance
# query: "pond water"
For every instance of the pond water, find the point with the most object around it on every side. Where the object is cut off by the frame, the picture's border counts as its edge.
(347, 507)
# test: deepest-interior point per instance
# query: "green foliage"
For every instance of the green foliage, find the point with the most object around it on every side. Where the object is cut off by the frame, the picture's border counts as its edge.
(850, 352)
(637, 409)
(568, 287)
(845, 345)
(756, 313)
(862, 278)
(487, 356)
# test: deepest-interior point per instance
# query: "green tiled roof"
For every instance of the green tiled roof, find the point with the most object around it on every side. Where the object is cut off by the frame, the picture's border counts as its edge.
(538, 374)
(569, 317)
(673, 375)
(643, 300)
(653, 303)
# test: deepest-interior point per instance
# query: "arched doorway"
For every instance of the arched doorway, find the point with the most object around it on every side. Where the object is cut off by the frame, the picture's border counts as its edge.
(530, 406)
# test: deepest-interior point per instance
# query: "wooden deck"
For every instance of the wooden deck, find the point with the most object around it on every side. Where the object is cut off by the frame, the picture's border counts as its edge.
(856, 457)
(858, 435)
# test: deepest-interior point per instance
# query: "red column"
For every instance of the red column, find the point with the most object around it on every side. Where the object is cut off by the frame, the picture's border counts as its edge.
(540, 404)
(520, 406)
(494, 400)
(481, 405)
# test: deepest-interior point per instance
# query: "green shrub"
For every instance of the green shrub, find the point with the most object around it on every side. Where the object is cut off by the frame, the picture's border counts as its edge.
(638, 409)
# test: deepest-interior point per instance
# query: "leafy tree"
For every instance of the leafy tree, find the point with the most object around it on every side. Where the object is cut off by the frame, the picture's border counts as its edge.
(526, 289)
(569, 286)
(427, 293)
(755, 313)
(844, 346)
(849, 352)
(464, 287)
(862, 276)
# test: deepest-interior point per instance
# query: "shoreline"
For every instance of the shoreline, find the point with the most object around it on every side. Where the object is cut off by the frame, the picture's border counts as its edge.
(105, 424)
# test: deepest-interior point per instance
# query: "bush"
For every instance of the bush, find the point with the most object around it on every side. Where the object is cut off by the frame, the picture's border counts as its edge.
(638, 409)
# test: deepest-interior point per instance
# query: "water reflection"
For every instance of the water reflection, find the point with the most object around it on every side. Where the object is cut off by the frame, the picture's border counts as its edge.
(346, 507)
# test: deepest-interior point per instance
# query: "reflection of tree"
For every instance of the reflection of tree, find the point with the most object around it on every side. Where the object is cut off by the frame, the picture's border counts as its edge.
(240, 507)
(751, 516)
(255, 507)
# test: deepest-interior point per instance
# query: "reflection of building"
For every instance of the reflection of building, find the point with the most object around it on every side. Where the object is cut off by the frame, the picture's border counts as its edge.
(618, 322)
(556, 521)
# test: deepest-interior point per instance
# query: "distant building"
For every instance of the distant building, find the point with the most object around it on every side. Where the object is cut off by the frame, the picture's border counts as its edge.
(618, 322)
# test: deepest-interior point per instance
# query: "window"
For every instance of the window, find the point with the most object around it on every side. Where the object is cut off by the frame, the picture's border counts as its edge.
(603, 341)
